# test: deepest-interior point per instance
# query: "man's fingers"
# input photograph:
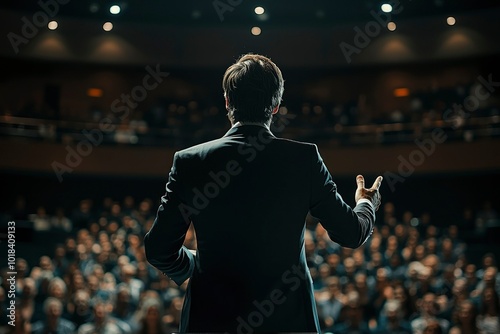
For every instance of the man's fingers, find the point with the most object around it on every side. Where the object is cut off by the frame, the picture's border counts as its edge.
(360, 180)
(377, 183)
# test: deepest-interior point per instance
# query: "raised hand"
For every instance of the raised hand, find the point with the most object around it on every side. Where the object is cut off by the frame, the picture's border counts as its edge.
(372, 194)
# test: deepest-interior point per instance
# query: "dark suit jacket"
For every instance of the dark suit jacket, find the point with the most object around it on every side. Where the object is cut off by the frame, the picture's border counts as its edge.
(247, 195)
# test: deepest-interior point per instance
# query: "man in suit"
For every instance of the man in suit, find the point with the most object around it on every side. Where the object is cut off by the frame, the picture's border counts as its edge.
(247, 195)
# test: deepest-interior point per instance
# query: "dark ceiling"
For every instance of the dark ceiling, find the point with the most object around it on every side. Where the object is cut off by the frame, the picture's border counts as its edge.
(241, 12)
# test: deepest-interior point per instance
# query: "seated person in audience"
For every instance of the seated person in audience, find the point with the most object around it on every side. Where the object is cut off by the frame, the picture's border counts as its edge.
(76, 280)
(59, 260)
(447, 252)
(336, 267)
(79, 311)
(85, 259)
(53, 322)
(319, 282)
(330, 302)
(424, 284)
(490, 278)
(123, 309)
(488, 320)
(41, 221)
(459, 294)
(31, 310)
(365, 288)
(350, 271)
(391, 319)
(57, 289)
(120, 263)
(444, 284)
(82, 216)
(61, 222)
(383, 291)
(376, 262)
(134, 285)
(173, 317)
(487, 261)
(116, 215)
(407, 304)
(149, 317)
(352, 317)
(144, 213)
(147, 275)
(396, 268)
(470, 276)
(428, 309)
(108, 283)
(103, 322)
(465, 318)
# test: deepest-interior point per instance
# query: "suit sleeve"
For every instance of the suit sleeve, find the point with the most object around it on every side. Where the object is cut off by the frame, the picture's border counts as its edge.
(346, 226)
(164, 241)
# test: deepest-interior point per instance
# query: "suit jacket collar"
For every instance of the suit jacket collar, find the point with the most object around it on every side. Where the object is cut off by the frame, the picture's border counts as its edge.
(248, 130)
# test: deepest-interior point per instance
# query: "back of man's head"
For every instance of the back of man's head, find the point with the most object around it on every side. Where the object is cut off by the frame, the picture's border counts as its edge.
(253, 87)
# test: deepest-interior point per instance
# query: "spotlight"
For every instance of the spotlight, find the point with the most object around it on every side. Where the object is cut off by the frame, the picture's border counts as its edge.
(259, 10)
(391, 26)
(115, 9)
(386, 8)
(108, 26)
(451, 21)
(52, 25)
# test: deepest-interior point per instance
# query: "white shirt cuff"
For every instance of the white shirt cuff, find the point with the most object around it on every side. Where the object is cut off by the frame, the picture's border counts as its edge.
(365, 200)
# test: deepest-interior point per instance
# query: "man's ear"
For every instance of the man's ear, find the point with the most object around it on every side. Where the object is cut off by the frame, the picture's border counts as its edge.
(275, 110)
(227, 102)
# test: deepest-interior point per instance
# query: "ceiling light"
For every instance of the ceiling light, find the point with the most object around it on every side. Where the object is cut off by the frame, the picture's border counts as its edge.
(259, 10)
(52, 25)
(391, 26)
(108, 26)
(386, 8)
(115, 9)
(451, 21)
(256, 31)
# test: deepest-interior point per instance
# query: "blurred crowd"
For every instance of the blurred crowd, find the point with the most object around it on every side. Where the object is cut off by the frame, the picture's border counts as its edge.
(184, 122)
(410, 277)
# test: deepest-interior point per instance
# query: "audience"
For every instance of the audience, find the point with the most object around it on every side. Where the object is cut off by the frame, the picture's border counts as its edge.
(187, 122)
(405, 279)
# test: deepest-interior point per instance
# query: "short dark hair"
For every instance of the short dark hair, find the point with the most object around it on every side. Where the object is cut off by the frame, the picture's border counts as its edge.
(254, 87)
